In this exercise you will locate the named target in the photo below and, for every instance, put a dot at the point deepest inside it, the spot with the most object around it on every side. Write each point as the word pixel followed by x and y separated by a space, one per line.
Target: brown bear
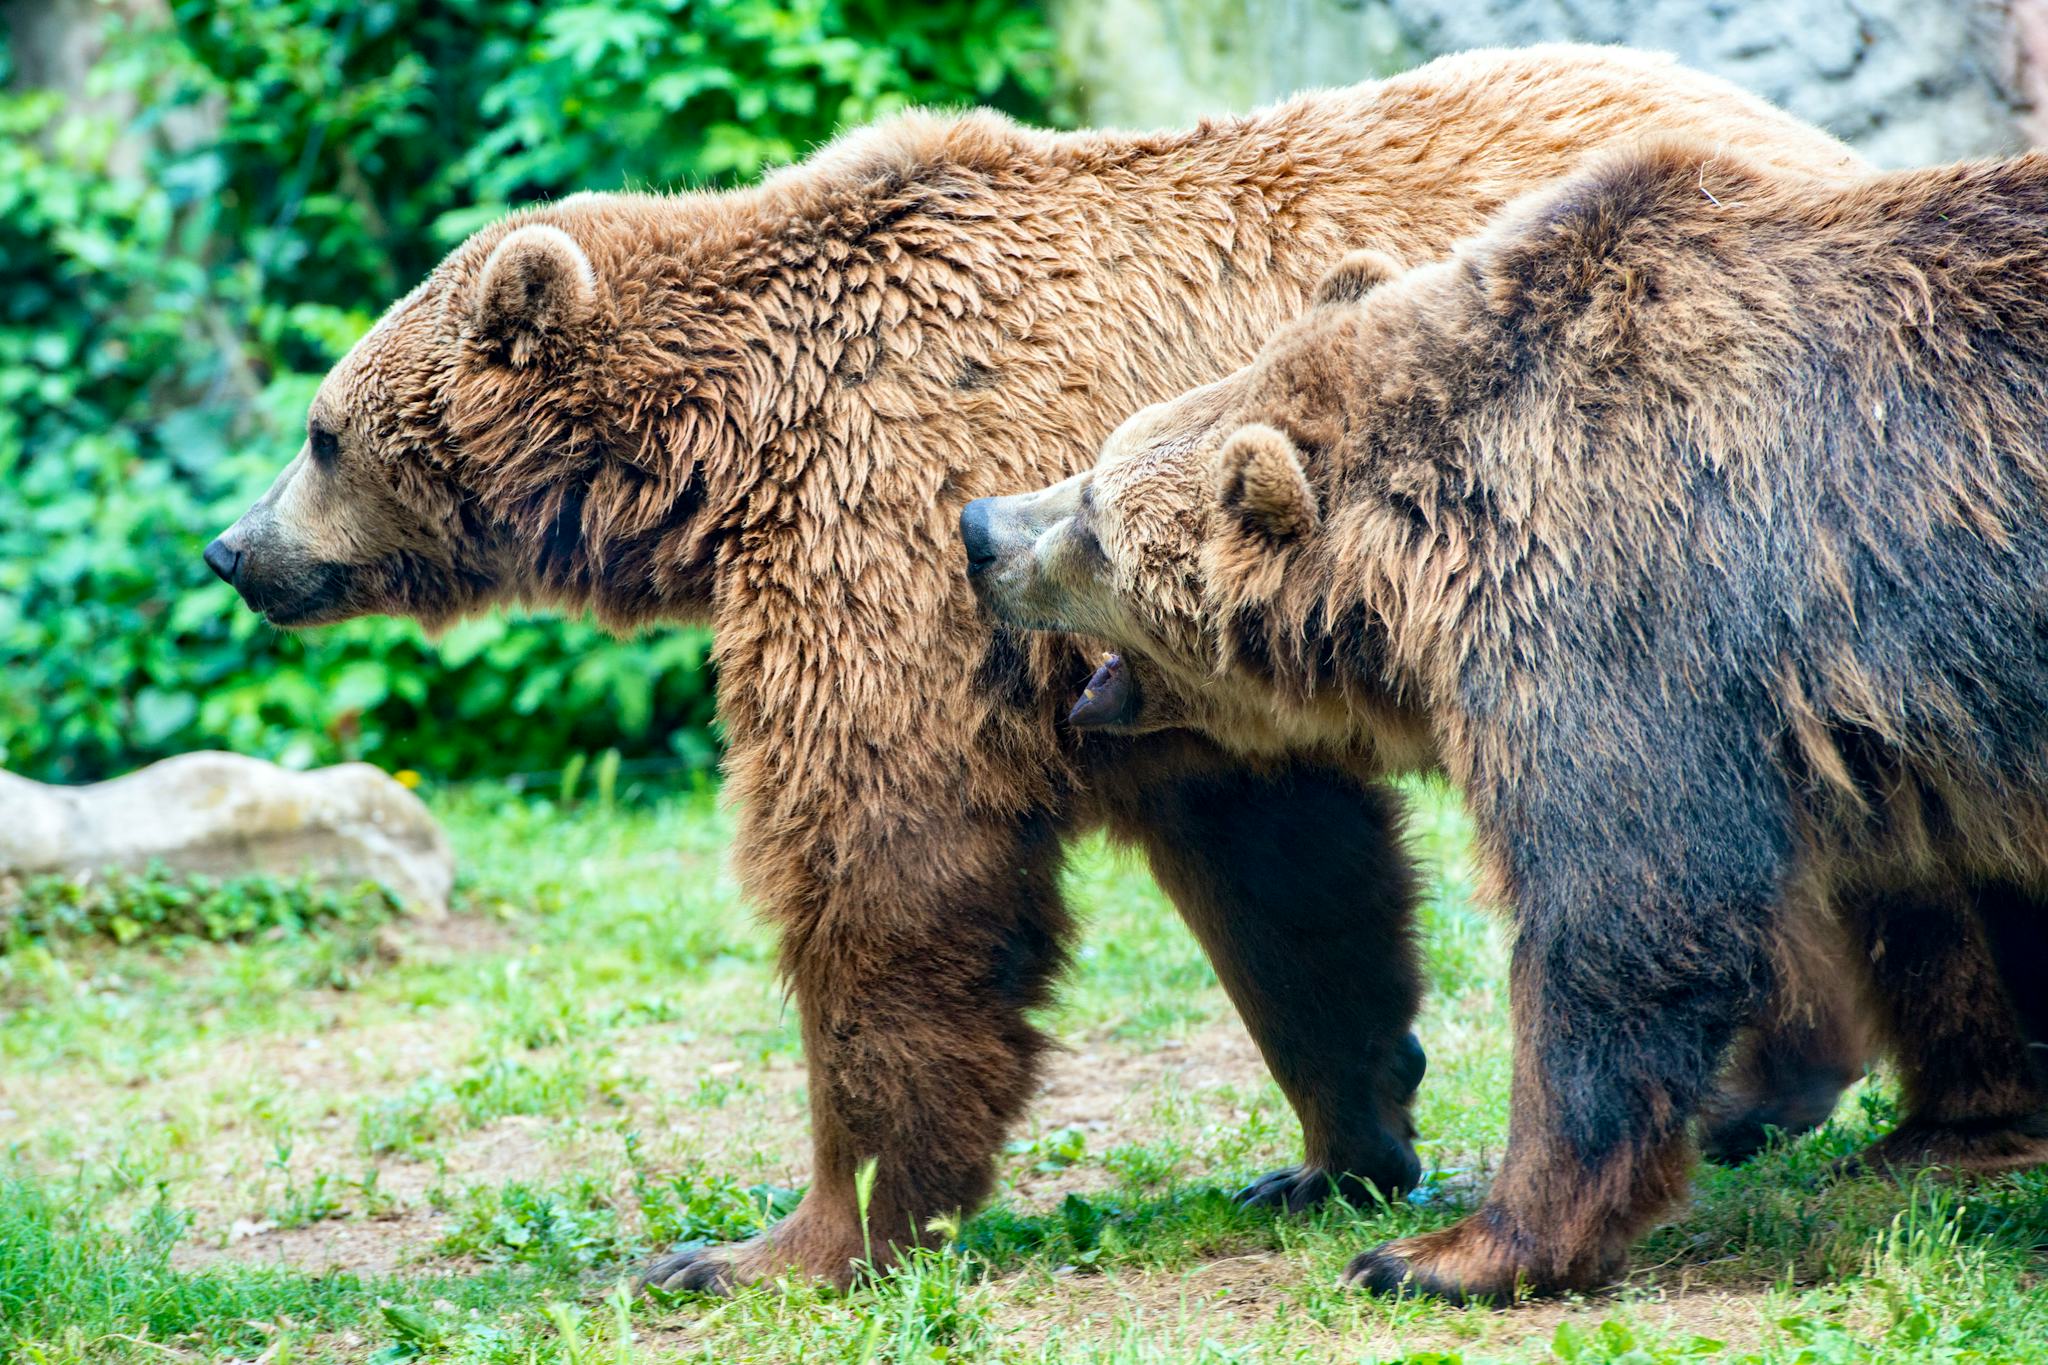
pixel 1691 518
pixel 765 408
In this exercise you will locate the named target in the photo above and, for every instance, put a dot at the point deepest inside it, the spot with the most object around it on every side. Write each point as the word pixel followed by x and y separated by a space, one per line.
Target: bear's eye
pixel 326 445
pixel 1082 531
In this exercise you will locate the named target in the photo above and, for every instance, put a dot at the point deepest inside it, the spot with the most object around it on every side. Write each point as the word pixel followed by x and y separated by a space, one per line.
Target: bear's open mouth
pixel 1109 698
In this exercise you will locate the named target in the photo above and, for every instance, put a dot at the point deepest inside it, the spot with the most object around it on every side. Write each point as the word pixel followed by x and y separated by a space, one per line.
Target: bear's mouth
pixel 309 597
pixel 1110 697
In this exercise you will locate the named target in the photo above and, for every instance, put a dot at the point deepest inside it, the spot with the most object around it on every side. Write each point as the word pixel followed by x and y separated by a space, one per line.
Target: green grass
pixel 298 1131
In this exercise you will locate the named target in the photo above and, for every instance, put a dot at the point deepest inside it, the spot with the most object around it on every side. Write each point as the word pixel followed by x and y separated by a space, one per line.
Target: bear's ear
pixel 1259 481
pixel 1357 275
pixel 536 284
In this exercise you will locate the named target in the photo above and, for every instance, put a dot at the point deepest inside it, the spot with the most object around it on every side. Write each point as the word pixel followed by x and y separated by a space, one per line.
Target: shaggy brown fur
pixel 1692 518
pixel 766 408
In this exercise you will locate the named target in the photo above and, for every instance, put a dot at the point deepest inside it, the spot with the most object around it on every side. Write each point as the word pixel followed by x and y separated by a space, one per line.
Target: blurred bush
pixel 175 286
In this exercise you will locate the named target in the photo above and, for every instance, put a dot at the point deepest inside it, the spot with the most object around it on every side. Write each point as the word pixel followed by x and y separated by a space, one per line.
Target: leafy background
pixel 181 272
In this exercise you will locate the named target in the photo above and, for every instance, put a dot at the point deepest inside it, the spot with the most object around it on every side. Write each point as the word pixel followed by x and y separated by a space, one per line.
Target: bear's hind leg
pixel 1784 1079
pixel 1785 1073
pixel 1297 886
pixel 1955 970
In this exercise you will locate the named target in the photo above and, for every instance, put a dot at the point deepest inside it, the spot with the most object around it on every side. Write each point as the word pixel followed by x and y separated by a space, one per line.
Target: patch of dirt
pixel 1236 1299
pixel 225 1232
pixel 1099 1080
pixel 348 1059
pixel 1111 1090
pixel 368 1247
pixel 759 1132
pixel 516 1148
pixel 1245 1289
pixel 458 934
pixel 1106 1088
pixel 709 1100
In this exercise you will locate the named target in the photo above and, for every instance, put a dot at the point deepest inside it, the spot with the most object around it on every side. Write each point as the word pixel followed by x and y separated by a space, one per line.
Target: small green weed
pixel 1050 1151
pixel 491 1087
pixel 570 1228
pixel 698 1206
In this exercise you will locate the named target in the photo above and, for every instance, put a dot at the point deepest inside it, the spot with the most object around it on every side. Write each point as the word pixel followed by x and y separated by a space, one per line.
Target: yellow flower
pixel 407 778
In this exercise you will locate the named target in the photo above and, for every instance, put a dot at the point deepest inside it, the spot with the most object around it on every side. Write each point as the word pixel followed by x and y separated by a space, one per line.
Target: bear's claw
pixel 1380 1271
pixel 1296 1189
pixel 1481 1262
pixel 1387 1272
pixel 1291 1189
pixel 699 1270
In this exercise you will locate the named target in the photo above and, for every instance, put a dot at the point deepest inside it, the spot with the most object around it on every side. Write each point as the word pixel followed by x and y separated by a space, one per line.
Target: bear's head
pixel 1118 551
pixel 512 430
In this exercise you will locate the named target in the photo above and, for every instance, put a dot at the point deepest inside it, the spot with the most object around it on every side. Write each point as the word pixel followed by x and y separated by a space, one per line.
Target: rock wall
pixel 1152 63
pixel 1905 81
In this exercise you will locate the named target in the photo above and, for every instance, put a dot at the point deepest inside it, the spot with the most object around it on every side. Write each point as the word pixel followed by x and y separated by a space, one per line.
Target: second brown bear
pixel 1692 519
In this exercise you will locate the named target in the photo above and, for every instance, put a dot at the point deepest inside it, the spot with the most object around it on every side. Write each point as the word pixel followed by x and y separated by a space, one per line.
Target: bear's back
pixel 1779 333
pixel 1788 435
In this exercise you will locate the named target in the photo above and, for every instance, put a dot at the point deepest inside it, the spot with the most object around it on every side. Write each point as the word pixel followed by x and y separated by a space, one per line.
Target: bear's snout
pixel 1013 547
pixel 222 560
pixel 288 587
pixel 977 534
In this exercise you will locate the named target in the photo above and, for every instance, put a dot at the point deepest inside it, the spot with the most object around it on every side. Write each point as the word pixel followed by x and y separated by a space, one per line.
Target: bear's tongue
pixel 1110 698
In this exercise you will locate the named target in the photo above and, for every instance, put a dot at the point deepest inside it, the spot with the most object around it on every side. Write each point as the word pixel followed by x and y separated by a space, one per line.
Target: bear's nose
pixel 223 561
pixel 975 534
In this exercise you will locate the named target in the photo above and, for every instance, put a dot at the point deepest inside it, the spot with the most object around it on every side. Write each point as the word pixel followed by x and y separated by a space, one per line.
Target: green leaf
pixel 160 714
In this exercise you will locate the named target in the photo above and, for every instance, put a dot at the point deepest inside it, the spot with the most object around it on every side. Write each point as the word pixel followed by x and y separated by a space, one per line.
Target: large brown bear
pixel 1694 518
pixel 765 409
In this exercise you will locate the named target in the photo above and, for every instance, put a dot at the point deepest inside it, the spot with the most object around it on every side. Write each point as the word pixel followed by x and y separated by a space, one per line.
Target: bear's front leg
pixel 1295 882
pixel 1644 943
pixel 913 980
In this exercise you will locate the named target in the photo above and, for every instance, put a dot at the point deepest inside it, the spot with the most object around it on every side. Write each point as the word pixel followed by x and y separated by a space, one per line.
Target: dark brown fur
pixel 765 409
pixel 1695 514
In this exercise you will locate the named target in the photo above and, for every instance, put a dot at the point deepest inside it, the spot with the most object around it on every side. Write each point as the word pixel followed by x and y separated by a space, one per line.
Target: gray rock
pixel 1906 82
pixel 223 815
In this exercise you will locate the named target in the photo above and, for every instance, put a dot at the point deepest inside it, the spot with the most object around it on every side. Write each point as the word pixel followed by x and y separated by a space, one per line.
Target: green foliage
pixel 1089 1232
pixel 932 1306
pixel 572 1228
pixel 63 1267
pixel 80 1283
pixel 129 906
pixel 178 283
pixel 696 1206
pixel 1051 1151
